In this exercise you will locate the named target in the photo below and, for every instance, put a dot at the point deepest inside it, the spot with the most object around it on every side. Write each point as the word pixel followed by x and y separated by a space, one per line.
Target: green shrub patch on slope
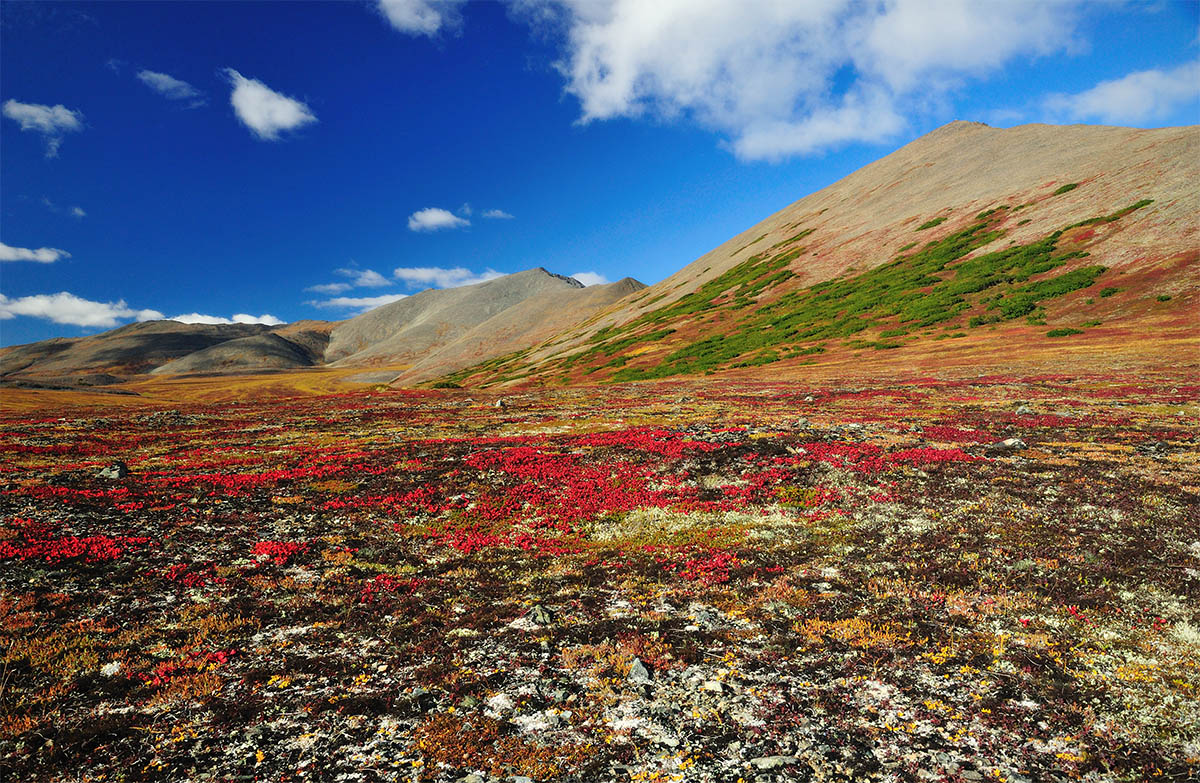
pixel 930 286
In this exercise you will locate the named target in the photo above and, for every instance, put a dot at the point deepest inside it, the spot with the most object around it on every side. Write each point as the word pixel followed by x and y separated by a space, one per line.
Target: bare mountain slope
pixel 404 331
pixel 996 237
pixel 127 350
pixel 257 352
pixel 525 324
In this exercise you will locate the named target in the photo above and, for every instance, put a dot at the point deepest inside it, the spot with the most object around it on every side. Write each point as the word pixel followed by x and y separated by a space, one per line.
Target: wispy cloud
pixel 358 303
pixel 66 308
pixel 329 288
pixel 442 277
pixel 239 318
pixel 591 278
pixel 788 78
pixel 497 214
pixel 264 111
pixel 169 87
pixel 42 255
pixel 52 122
pixel 435 219
pixel 364 278
pixel 78 212
pixel 359 278
pixel 1141 96
pixel 422 17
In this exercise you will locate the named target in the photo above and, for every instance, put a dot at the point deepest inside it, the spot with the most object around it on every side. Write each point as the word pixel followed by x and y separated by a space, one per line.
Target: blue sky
pixel 278 161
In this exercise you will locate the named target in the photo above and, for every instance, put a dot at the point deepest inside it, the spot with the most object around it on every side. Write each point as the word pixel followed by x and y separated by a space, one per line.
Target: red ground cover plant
pixel 688 581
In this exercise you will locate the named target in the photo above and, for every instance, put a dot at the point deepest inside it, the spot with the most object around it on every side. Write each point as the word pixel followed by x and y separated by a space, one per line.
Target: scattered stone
pixel 773 762
pixel 1025 410
pixel 639 672
pixel 1006 446
pixel 116 470
pixel 541 615
pixel 802 423
pixel 500 404
pixel 712 686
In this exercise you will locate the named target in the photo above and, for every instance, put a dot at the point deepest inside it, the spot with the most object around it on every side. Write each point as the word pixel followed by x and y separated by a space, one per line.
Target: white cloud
pixel 264 111
pixel 168 86
pixel 78 212
pixel 435 218
pixel 1137 97
pixel 65 308
pixel 591 278
pixel 440 277
pixel 497 214
pixel 364 278
pixel 422 17
pixel 50 121
pixel 779 77
pixel 329 288
pixel 43 255
pixel 358 303
pixel 240 318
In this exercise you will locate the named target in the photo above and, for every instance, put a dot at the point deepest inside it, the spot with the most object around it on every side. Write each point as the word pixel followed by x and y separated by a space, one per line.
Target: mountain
pixel 519 327
pixel 425 335
pixel 406 330
pixel 124 351
pixel 968 245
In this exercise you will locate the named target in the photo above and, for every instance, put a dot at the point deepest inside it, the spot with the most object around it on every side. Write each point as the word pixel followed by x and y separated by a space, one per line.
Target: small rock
pixel 1006 446
pixel 773 762
pixel 1025 410
pixel 541 615
pixel 114 471
pixel 500 404
pixel 639 672
pixel 802 423
pixel 712 686
pixel 809 398
pixel 970 775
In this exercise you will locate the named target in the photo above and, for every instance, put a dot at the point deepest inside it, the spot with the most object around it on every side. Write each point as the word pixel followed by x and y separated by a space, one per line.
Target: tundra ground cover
pixel 675 581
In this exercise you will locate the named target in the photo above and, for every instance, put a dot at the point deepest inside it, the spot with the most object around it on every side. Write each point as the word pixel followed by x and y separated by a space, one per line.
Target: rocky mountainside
pixel 968 242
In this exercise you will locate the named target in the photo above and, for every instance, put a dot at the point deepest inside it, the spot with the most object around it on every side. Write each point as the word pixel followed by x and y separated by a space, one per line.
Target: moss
pixel 1163 298
pixel 1109 291
pixel 1065 189
pixel 937 221
pixel 1063 332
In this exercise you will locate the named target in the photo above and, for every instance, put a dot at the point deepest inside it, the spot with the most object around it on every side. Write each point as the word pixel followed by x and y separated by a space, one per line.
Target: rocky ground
pixel 990 579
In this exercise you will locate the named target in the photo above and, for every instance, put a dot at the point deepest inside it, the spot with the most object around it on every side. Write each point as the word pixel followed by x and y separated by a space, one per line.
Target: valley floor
pixel 685 581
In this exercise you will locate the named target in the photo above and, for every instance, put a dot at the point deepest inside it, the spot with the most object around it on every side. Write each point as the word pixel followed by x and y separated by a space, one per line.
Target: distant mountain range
pixel 968 244
pixel 426 335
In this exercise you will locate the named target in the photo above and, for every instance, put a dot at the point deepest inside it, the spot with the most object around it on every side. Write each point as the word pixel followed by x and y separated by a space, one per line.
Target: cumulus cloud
pixel 591 278
pixel 78 212
pixel 66 308
pixel 1141 96
pixel 435 219
pixel 441 277
pixel 497 214
pixel 53 122
pixel 239 318
pixel 265 112
pixel 358 303
pixel 778 77
pixel 168 86
pixel 43 255
pixel 422 17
